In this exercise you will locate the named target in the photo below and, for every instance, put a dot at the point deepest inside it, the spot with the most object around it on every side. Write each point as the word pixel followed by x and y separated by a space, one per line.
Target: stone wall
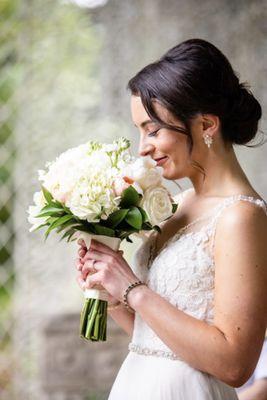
pixel 72 368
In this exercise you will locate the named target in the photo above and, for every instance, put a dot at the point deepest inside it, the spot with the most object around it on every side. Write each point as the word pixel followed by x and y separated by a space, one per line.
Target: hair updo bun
pixel 240 123
pixel 196 77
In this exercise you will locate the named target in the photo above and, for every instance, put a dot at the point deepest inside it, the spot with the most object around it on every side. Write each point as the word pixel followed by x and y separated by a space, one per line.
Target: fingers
pixel 102 248
pixel 78 264
pixel 80 281
pixel 88 266
pixel 90 280
pixel 82 252
pixel 79 261
pixel 81 242
pixel 96 255
pixel 94 279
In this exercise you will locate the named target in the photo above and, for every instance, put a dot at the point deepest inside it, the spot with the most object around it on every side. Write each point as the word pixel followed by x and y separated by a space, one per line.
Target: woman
pixel 197 324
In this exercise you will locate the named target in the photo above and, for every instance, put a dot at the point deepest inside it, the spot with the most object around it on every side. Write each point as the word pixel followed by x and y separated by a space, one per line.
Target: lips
pixel 161 160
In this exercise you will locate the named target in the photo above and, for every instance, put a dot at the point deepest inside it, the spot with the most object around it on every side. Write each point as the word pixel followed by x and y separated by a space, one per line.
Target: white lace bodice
pixel 183 273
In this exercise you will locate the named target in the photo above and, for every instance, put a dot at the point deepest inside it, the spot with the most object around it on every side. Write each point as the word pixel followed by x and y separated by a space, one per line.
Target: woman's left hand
pixel 112 270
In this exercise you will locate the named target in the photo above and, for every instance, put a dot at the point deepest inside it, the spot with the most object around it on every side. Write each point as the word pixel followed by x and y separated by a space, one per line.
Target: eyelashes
pixel 176 129
pixel 154 133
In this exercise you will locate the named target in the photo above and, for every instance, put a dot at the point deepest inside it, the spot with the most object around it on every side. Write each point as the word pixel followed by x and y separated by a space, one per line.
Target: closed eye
pixel 153 133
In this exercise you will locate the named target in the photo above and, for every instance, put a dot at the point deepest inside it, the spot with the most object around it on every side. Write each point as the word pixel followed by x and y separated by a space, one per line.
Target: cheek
pixel 180 149
pixel 179 155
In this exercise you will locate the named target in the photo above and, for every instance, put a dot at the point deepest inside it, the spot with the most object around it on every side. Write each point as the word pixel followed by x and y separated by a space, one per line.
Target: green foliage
pixel 8 81
pixel 117 217
pixel 130 197
pixel 174 207
pixel 121 223
pixel 134 218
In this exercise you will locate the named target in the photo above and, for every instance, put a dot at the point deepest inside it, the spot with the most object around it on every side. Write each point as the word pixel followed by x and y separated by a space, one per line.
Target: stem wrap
pixel 93 321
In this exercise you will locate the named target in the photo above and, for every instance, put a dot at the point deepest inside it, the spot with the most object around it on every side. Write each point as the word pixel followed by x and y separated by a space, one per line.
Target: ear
pixel 210 123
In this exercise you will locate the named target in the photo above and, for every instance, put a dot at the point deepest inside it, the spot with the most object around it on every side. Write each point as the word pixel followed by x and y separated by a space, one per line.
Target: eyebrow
pixel 144 123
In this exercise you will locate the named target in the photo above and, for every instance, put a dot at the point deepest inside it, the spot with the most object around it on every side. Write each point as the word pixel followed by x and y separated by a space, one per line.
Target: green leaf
pixel 134 218
pixel 53 205
pixel 116 217
pixel 50 220
pixel 147 226
pixel 40 226
pixel 157 228
pixel 70 236
pixel 130 197
pixel 103 230
pixel 67 233
pixel 47 195
pixel 65 225
pixel 144 214
pixel 57 223
pixel 174 207
pixel 62 220
pixel 50 211
pixel 90 228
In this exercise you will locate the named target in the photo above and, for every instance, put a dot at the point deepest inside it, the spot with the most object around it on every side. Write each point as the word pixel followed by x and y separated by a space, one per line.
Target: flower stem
pixel 93 321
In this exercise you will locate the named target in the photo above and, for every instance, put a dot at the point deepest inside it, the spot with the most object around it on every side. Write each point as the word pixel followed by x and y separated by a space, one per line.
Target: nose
pixel 145 148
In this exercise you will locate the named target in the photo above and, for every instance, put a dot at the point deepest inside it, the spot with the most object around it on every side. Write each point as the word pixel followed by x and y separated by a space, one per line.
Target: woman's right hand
pixel 84 268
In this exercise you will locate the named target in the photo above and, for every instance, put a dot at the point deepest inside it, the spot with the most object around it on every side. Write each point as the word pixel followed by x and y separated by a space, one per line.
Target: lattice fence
pixel 8 78
pixel 50 96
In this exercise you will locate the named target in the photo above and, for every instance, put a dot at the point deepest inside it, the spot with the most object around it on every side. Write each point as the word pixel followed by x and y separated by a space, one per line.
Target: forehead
pixel 140 115
pixel 138 111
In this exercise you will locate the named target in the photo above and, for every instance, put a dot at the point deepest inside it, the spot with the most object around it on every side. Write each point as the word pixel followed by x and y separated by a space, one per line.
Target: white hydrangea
pixel 93 198
pixel 82 178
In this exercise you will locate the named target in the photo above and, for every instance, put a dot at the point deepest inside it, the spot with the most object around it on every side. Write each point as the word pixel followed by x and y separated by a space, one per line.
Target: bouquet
pixel 100 191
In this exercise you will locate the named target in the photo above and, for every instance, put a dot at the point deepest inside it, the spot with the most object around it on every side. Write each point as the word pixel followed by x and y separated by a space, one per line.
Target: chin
pixel 172 174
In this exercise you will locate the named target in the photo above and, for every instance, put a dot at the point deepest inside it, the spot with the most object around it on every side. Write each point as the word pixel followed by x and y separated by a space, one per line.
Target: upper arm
pixel 240 304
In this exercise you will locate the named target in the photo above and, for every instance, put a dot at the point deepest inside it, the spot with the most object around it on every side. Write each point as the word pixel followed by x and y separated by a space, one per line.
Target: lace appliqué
pixel 183 273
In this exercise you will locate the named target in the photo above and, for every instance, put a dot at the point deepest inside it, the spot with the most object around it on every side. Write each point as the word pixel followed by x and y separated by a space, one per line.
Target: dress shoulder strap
pixel 236 198
pixel 228 202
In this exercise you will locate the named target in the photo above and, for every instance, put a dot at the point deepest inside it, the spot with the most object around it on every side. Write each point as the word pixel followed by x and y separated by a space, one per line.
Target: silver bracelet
pixel 130 287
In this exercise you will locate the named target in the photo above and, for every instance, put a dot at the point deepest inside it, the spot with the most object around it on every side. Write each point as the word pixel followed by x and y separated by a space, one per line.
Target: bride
pixel 197 322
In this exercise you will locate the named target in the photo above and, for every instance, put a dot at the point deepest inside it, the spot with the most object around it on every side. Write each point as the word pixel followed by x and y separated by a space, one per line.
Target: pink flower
pixel 122 183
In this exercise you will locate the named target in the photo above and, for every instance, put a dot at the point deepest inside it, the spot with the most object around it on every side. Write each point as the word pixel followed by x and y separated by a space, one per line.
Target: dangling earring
pixel 207 139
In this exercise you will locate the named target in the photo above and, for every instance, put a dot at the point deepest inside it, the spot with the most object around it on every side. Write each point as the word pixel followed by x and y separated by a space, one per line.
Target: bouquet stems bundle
pixel 101 191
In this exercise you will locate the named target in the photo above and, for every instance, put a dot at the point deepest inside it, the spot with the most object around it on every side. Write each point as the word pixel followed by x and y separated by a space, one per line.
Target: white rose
pixel 151 177
pixel 145 172
pixel 157 204
pixel 148 161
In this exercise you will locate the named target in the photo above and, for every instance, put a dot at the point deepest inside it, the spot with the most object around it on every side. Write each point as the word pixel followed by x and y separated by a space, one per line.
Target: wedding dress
pixel 182 273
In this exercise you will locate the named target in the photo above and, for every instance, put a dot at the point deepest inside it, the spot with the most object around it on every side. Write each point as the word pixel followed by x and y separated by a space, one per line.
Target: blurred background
pixel 64 67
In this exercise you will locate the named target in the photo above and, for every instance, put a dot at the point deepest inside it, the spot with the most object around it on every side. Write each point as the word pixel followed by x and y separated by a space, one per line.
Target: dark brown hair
pixel 196 77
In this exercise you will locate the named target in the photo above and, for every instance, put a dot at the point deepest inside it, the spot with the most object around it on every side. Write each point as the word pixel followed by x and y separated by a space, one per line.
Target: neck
pixel 224 175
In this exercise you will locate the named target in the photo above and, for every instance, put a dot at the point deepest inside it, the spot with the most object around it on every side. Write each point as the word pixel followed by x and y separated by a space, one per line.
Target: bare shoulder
pixel 179 196
pixel 244 217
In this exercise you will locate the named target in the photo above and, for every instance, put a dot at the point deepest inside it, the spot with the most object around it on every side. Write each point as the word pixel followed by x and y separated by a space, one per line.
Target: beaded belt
pixel 151 352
